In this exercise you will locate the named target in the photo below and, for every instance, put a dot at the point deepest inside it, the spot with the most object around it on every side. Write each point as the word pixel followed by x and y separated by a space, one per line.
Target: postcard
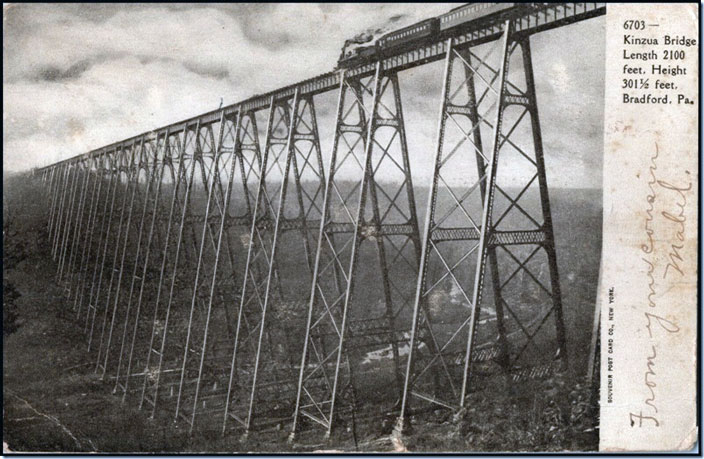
pixel 351 227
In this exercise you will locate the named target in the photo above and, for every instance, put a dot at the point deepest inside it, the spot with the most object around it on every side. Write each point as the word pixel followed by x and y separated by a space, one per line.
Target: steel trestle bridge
pixel 228 281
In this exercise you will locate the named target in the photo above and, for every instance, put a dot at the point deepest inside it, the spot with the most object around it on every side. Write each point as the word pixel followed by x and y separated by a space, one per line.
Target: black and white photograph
pixel 330 228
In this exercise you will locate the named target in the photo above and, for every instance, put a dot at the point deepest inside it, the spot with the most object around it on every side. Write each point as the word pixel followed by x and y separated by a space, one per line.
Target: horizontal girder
pixel 497 238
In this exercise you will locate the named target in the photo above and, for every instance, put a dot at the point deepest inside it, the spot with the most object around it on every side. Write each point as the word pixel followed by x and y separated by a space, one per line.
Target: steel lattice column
pixel 83 225
pixel 210 321
pixel 493 220
pixel 57 178
pixel 142 169
pixel 179 235
pixel 53 183
pixel 208 155
pixel 245 154
pixel 213 304
pixel 215 160
pixel 368 197
pixel 129 159
pixel 199 149
pixel 72 226
pixel 288 206
pixel 148 257
pixel 175 181
pixel 107 238
pixel 60 190
pixel 64 205
pixel 89 254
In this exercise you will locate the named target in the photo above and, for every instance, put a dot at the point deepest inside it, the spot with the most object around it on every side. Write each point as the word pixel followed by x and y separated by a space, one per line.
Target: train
pixel 354 53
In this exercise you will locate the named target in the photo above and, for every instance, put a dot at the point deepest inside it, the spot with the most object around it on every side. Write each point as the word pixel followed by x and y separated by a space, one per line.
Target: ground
pixel 54 401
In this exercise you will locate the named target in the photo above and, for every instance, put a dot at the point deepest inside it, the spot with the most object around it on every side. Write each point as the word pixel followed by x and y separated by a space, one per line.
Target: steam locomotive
pixel 355 53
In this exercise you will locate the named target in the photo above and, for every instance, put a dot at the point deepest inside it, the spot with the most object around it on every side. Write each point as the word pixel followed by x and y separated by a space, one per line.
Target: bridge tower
pixel 153 185
pixel 74 223
pixel 368 199
pixel 488 222
pixel 73 174
pixel 288 207
pixel 116 162
pixel 120 227
pixel 174 238
pixel 188 170
pixel 60 190
pixel 85 229
pixel 145 178
pixel 183 322
pixel 137 173
pixel 54 181
pixel 91 253
pixel 211 321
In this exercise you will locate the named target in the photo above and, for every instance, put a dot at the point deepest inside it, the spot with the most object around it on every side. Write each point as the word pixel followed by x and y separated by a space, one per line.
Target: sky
pixel 79 76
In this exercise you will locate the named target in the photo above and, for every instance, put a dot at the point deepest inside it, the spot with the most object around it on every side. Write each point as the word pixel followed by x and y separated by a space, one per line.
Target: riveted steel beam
pixel 290 194
pixel 487 226
pixel 375 211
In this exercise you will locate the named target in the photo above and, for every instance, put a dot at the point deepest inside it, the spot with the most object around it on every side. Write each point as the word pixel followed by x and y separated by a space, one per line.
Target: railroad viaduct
pixel 221 280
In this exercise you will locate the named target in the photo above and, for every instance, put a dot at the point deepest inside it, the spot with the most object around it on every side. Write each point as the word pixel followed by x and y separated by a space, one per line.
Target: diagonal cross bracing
pixel 359 206
pixel 271 309
pixel 443 354
pixel 173 245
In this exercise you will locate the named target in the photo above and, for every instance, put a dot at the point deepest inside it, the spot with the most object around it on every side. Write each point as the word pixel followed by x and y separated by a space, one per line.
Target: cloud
pixel 97 108
pixel 80 76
